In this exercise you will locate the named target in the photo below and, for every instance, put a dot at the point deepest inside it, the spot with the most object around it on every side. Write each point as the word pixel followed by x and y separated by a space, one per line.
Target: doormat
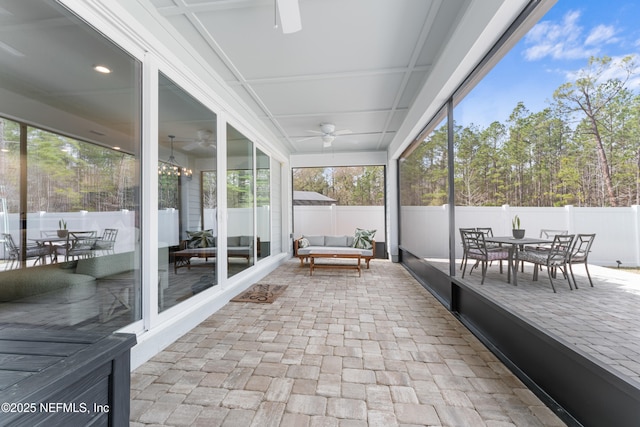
pixel 261 293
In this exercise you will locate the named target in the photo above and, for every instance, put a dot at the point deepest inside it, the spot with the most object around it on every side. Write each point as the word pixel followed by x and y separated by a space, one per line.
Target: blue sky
pixel 560 44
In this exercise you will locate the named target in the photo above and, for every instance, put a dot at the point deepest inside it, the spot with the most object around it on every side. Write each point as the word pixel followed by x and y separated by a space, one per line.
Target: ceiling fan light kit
pixel 327 140
pixel 327 134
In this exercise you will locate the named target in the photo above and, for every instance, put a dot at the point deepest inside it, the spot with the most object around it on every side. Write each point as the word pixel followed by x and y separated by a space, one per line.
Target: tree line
pixel 582 150
pixel 348 185
pixel 64 174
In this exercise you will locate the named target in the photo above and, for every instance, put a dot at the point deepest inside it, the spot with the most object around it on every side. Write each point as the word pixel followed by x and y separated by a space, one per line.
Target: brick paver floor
pixel 333 350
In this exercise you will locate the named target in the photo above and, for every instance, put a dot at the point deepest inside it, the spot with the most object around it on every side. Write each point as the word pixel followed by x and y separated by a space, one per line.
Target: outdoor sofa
pixel 357 244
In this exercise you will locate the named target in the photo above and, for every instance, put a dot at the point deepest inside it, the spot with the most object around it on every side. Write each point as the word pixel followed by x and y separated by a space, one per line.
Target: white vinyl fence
pixel 338 220
pixel 424 229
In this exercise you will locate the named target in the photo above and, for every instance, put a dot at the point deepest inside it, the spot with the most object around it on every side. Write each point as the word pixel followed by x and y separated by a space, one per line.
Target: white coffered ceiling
pixel 359 64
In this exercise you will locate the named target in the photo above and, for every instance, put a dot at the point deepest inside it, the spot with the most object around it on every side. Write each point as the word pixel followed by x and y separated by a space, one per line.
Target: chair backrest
pixel 462 231
pixel 549 234
pixel 109 234
pixel 488 231
pixel 82 239
pixel 10 244
pixel 561 248
pixel 582 246
pixel 49 233
pixel 474 241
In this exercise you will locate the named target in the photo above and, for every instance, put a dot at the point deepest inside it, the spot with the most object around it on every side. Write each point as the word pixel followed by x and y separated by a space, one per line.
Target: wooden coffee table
pixel 183 257
pixel 313 265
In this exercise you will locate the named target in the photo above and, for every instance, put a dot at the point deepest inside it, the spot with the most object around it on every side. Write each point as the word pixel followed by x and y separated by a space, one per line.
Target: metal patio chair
pixel 477 249
pixel 556 257
pixel 39 252
pixel 580 253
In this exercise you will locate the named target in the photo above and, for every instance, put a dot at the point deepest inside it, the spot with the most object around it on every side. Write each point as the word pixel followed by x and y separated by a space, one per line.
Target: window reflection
pixel 263 211
pixel 241 242
pixel 69 159
pixel 187 230
pixel 423 196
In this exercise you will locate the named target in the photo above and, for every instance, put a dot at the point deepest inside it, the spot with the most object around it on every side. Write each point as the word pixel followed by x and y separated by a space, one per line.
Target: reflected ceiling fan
pixel 327 134
pixel 205 139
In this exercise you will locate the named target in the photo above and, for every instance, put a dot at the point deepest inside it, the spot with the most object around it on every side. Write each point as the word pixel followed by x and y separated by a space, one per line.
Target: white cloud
pixel 566 39
pixel 602 34
pixel 615 70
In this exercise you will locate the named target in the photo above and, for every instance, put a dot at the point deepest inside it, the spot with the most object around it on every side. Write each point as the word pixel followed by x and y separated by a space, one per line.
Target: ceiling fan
pixel 289 15
pixel 204 139
pixel 327 134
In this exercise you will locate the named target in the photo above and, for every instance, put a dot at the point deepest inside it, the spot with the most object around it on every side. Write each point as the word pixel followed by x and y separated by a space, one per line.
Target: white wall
pixel 424 228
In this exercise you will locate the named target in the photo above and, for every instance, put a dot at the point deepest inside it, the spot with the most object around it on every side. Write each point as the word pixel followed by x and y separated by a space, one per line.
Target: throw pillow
pixel 303 243
pixel 200 239
pixel 363 238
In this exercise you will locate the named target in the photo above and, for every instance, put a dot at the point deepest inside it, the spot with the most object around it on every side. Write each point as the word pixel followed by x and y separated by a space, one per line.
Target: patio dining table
pixel 62 242
pixel 515 245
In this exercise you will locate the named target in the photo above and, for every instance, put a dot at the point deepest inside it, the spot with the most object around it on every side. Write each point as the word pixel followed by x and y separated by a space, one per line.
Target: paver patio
pixel 602 321
pixel 334 350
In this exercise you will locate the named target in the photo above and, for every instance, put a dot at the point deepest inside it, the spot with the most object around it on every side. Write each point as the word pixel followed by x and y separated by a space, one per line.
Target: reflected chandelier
pixel 171 167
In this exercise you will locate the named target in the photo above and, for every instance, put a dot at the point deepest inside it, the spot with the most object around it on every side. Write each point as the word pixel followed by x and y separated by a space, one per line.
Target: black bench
pixel 64 377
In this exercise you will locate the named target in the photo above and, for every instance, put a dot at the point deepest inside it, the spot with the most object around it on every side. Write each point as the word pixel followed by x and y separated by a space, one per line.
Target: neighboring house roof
pixel 311 198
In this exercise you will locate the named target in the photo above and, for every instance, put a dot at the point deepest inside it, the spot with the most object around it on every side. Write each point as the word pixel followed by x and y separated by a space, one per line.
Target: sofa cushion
pixel 315 240
pixel 246 240
pixel 233 241
pixel 335 241
pixel 363 238
pixel 334 250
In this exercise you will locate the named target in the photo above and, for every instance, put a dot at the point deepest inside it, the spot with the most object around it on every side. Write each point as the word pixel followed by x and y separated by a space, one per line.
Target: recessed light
pixel 116 148
pixel 102 69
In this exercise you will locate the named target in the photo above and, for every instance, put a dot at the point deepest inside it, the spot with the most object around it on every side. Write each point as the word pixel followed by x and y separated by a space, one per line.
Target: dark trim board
pixel 578 388
pixel 438 284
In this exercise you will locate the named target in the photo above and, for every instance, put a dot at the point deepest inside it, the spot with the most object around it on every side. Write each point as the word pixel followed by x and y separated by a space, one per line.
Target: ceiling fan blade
pixel 342 132
pixel 306 139
pixel 289 16
pixel 191 146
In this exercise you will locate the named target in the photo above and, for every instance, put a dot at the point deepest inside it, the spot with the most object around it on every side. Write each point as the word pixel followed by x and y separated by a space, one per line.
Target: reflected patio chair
pixel 556 257
pixel 39 252
pixel 107 242
pixel 79 245
pixel 580 254
pixel 55 241
pixel 477 249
